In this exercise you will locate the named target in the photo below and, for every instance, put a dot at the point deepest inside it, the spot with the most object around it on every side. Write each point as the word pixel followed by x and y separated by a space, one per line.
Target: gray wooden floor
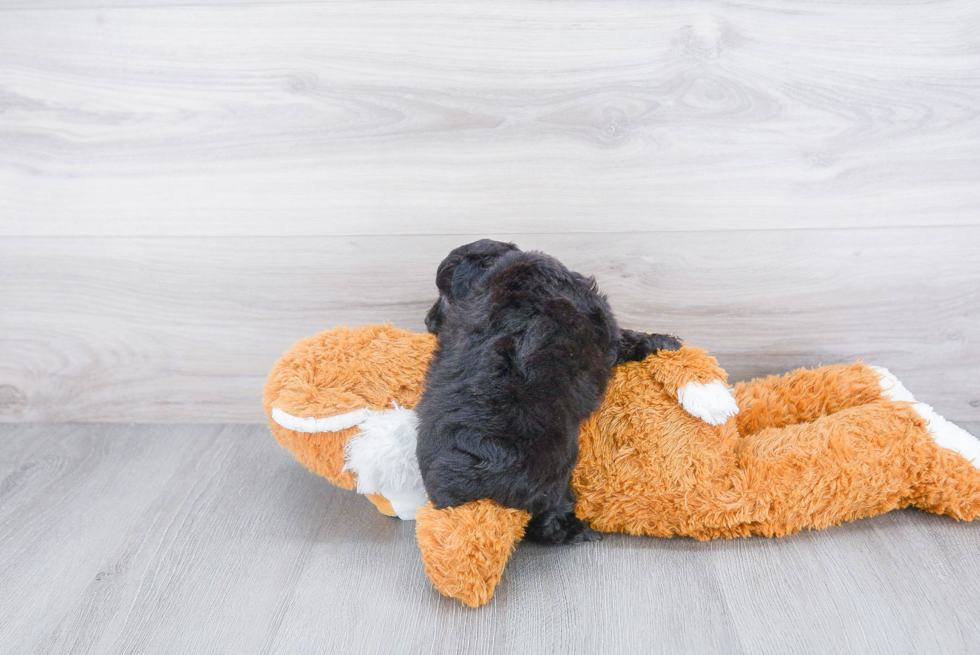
pixel 211 539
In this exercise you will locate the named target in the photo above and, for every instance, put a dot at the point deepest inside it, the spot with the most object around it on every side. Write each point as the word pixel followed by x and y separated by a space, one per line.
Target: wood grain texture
pixel 349 118
pixel 188 187
pixel 187 329
pixel 163 539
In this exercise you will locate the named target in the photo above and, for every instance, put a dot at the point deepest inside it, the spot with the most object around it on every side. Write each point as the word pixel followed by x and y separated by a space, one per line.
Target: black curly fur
pixel 525 349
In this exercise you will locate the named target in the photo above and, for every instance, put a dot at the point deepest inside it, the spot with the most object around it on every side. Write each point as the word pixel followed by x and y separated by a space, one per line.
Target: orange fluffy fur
pixel 339 371
pixel 807 450
pixel 465 548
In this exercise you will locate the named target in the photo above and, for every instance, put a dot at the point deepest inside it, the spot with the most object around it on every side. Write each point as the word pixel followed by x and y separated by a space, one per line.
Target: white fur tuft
pixel 947 434
pixel 713 403
pixel 328 424
pixel 382 456
pixel 891 388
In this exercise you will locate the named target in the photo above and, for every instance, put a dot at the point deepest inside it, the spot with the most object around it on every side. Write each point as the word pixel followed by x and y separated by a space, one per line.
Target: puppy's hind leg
pixel 557 524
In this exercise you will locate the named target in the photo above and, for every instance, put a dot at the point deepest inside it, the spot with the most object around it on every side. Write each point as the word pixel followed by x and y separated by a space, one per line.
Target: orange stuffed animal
pixel 672 450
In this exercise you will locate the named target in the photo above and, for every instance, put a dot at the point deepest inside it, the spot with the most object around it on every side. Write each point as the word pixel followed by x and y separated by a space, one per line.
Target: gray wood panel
pixel 211 539
pixel 160 117
pixel 187 329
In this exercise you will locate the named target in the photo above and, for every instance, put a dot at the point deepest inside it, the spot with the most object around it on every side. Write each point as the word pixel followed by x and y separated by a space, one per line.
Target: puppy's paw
pixel 586 535
pixel 665 342
pixel 652 343
pixel 714 403
pixel 552 528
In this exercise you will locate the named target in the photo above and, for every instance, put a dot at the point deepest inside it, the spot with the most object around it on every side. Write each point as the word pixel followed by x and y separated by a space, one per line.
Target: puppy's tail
pixel 466 548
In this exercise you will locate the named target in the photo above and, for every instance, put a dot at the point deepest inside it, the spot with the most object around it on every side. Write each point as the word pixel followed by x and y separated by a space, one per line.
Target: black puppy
pixel 525 349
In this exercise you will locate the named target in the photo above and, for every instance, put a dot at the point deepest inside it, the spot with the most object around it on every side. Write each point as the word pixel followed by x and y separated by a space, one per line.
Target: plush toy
pixel 672 451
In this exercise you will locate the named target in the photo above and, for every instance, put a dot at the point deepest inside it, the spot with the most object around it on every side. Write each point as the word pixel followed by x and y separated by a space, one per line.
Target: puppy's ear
pixel 446 271
pixel 465 265
pixel 467 273
pixel 476 259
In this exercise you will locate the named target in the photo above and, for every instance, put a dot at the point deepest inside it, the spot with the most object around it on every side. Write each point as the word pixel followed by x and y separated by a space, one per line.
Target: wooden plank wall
pixel 186 188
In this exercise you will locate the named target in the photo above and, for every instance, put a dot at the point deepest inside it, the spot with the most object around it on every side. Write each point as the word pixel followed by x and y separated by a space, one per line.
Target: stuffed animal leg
pixel 844 442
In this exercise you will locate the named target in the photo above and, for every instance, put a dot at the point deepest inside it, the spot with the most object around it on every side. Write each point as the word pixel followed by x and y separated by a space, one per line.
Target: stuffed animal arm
pixel 672 450
pixel 698 384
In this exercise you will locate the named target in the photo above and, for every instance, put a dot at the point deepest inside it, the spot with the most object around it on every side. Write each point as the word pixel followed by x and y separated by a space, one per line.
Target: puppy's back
pixel 519 365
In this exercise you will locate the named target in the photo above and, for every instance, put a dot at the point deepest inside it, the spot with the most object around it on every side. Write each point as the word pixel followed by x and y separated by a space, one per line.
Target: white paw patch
pixel 382 456
pixel 949 435
pixel 713 403
pixel 891 388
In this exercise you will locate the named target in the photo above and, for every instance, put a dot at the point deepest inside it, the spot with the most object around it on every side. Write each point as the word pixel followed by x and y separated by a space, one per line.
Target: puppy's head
pixel 459 272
